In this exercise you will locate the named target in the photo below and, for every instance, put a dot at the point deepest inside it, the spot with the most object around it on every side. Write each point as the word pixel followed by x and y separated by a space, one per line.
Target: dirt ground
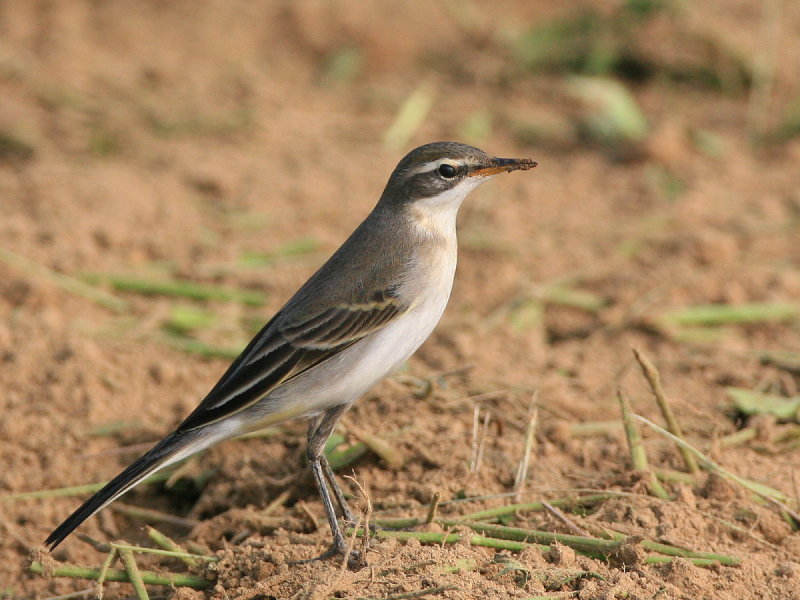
pixel 235 144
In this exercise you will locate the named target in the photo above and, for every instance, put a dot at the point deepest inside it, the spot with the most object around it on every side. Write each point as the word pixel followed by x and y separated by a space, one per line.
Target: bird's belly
pixel 346 376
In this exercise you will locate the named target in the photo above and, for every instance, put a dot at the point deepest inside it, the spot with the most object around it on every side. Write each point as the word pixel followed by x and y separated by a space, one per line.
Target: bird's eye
pixel 446 171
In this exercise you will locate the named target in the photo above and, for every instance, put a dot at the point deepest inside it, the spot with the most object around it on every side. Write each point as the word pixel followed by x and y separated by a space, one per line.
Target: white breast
pixel 343 378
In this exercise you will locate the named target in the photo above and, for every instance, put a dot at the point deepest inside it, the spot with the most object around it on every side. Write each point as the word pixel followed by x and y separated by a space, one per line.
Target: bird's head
pixel 441 174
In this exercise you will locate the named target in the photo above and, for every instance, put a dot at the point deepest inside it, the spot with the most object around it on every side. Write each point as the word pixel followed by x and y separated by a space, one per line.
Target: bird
pixel 357 319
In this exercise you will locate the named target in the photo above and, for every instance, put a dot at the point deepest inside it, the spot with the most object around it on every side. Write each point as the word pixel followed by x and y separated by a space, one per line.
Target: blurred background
pixel 171 172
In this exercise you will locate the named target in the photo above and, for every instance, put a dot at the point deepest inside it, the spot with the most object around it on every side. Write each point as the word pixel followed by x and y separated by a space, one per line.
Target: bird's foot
pixel 355 559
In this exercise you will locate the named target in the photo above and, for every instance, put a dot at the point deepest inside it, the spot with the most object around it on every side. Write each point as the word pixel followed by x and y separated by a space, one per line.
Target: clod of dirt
pixel 560 555
pixel 720 489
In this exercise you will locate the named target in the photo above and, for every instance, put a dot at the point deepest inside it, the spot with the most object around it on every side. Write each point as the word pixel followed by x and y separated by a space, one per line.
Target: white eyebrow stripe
pixel 432 165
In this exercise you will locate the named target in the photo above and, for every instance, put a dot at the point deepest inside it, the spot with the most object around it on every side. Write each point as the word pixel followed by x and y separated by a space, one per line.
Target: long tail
pixel 176 446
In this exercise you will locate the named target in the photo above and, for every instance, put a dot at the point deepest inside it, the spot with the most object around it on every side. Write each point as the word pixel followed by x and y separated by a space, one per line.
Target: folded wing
pixel 286 348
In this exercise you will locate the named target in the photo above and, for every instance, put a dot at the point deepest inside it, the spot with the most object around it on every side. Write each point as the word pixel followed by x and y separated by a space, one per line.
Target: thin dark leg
pixel 319 431
pixel 337 491
pixel 339 546
pixel 348 515
pixel 326 467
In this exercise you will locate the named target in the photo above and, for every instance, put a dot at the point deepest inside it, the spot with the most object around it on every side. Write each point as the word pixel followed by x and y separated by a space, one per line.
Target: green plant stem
pixel 565 502
pixel 730 561
pixel 397 522
pixel 341 458
pixel 638 454
pixel 174 287
pixel 172 553
pixel 566 296
pixel 590 546
pixel 587 545
pixel 152 516
pixel 676 476
pixel 783 359
pixel 593 428
pixel 738 437
pixel 758 488
pixel 379 446
pixel 433 508
pixel 168 543
pixel 493 514
pixel 722 314
pixel 512 538
pixel 663 560
pixel 148 577
pixel 653 378
pixel 133 573
pixel 410 116
pixel 77 490
pixel 427 537
pixel 65 282
pixel 109 560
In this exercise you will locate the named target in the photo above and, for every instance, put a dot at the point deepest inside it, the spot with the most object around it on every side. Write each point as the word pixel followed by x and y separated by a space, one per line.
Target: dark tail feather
pixel 162 454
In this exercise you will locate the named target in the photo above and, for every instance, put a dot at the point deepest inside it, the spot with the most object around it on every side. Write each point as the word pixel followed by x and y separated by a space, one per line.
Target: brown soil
pixel 139 136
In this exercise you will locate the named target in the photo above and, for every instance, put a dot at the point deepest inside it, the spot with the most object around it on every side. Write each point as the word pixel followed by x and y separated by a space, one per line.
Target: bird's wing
pixel 287 347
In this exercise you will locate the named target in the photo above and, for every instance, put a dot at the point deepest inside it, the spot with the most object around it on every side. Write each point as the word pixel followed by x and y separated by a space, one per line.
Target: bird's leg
pixel 319 431
pixel 340 499
pixel 337 491
pixel 326 467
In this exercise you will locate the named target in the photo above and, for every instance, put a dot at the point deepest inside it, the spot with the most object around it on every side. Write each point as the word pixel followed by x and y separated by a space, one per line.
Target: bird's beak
pixel 493 166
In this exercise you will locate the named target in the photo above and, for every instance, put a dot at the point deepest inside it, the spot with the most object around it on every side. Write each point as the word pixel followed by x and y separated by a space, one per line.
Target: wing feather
pixel 285 349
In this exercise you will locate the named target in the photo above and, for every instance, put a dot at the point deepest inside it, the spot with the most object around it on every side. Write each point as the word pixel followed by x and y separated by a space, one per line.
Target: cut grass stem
pixel 133 573
pixel 511 509
pixel 410 116
pixel 516 539
pixel 494 514
pixel 152 516
pixel 383 449
pixel 77 490
pixel 176 287
pixel 738 437
pixel 148 577
pixel 732 314
pixel 668 550
pixel 170 545
pixel 430 537
pixel 638 454
pixel 759 489
pixel 593 428
pixel 65 282
pixel 107 563
pixel 171 553
pixel 653 378
pixel 589 546
pixel 521 475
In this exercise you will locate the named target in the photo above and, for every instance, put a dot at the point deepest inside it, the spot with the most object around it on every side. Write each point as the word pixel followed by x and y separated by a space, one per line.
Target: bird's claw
pixel 355 559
